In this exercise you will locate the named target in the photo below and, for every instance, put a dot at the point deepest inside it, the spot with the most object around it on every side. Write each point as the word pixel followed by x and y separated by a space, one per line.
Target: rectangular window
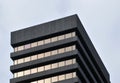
pixel 62 50
pixel 54 39
pixel 40 42
pixel 20 48
pixel 73 47
pixel 27 46
pixel 69 62
pixel 34 82
pixel 47 67
pixel 47 54
pixel 62 63
pixel 34 57
pixel 20 61
pixel 68 35
pixel 34 44
pixel 48 80
pixel 73 34
pixel 15 49
pixel 20 74
pixel 26 72
pixel 40 55
pixel 15 75
pixel 61 77
pixel 61 37
pixel 47 41
pixel 15 62
pixel 40 69
pixel 55 79
pixel 74 74
pixel 74 61
pixel 69 75
pixel 34 70
pixel 27 59
pixel 54 52
pixel 55 65
pixel 68 48
pixel 41 81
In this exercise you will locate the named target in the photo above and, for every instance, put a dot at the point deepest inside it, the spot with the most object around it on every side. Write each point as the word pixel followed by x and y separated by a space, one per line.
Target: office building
pixel 59 51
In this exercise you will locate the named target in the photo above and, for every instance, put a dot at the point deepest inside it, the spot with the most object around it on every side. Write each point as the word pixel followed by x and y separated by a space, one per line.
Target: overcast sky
pixel 101 19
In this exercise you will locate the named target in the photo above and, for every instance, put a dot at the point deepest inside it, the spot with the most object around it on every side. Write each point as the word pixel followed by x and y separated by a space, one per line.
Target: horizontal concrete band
pixel 44 61
pixel 44 29
pixel 44 48
pixel 45 74
pixel 72 80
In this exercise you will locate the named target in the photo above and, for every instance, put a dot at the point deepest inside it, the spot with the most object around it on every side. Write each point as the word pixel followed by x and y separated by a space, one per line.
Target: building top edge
pixel 44 29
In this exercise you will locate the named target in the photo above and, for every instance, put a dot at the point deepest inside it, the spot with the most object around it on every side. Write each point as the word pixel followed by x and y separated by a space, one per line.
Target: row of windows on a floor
pixel 44 68
pixel 42 55
pixel 45 41
pixel 57 78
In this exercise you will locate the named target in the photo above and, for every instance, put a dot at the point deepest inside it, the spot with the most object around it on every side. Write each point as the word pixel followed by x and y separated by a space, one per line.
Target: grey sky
pixel 100 18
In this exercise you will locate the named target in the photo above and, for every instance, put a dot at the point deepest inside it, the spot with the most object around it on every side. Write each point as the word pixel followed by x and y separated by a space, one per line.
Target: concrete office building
pixel 59 51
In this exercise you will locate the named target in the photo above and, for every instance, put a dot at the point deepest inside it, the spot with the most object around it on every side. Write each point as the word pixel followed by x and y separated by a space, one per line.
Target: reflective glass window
pixel 34 44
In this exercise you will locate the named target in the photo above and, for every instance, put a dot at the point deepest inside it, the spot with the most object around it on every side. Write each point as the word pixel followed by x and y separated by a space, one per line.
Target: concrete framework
pixel 88 66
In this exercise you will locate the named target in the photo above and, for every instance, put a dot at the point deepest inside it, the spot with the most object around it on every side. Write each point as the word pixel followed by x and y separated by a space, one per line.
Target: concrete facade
pixel 88 67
